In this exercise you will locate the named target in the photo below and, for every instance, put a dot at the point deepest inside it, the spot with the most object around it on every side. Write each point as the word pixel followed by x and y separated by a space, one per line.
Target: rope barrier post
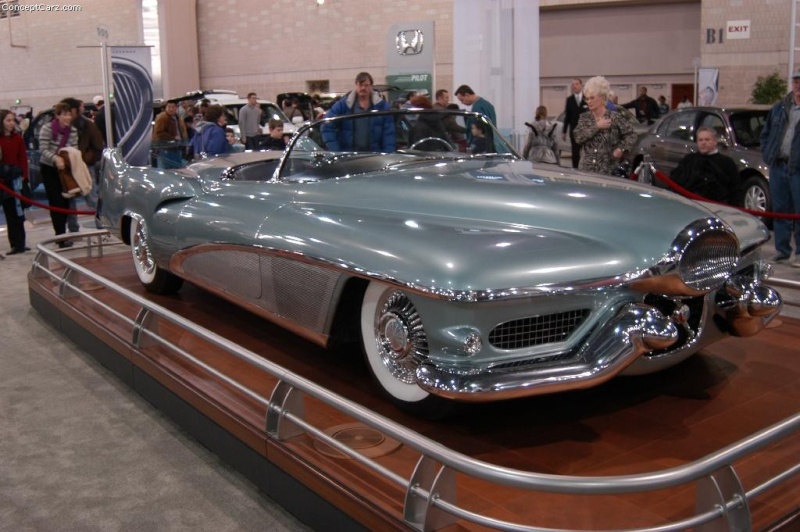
pixel 645 171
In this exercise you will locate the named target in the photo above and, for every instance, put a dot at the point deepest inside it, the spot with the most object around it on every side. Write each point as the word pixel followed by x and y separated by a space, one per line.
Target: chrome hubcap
pixel 401 339
pixel 141 252
pixel 395 336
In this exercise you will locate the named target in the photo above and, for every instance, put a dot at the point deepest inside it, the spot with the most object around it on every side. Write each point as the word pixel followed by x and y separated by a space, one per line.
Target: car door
pixel 718 123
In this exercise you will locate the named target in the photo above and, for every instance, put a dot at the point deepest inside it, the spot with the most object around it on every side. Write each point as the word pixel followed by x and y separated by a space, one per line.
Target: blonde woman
pixel 605 136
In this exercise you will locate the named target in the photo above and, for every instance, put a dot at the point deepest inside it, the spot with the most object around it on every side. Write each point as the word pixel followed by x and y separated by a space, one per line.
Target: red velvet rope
pixel 683 192
pixel 42 205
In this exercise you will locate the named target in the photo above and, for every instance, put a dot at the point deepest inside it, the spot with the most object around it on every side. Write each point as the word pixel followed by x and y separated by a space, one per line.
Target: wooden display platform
pixel 629 425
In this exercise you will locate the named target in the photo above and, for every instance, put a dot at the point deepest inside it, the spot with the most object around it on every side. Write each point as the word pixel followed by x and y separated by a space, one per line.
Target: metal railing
pixel 430 500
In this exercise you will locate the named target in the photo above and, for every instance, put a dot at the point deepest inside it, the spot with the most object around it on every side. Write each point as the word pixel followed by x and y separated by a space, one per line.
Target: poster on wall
pixel 707 86
pixel 133 102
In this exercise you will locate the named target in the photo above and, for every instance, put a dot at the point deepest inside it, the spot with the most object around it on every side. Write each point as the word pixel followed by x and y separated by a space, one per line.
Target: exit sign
pixel 738 29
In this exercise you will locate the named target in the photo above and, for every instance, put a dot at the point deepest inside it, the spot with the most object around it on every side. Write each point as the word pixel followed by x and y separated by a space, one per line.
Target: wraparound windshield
pixel 371 141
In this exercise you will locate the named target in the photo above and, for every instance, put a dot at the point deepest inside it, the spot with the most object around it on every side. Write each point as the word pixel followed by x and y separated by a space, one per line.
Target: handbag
pixel 27 193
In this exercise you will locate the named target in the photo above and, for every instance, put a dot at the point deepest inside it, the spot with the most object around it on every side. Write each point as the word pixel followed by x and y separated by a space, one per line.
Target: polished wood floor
pixel 630 425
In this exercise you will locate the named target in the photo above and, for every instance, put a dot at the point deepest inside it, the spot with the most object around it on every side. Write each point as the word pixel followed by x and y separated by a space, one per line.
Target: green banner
pixel 420 82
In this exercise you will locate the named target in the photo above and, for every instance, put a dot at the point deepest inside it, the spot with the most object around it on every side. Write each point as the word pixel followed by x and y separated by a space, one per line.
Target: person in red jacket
pixel 14 165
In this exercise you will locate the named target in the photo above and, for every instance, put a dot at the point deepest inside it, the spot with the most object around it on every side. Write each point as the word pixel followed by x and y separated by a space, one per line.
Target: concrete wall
pixel 279 46
pixel 41 53
pixel 275 47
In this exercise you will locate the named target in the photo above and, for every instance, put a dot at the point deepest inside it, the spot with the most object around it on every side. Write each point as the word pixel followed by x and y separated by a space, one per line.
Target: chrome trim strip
pixel 176 266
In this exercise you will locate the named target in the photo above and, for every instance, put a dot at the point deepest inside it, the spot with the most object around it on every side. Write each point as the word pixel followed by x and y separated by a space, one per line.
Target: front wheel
pixel 153 278
pixel 395 344
pixel 756 194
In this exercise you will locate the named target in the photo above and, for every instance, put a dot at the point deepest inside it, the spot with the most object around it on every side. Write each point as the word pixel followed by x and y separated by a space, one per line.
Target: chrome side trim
pixel 635 330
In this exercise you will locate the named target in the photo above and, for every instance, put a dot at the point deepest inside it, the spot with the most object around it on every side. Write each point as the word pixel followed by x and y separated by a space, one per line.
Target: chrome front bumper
pixel 745 305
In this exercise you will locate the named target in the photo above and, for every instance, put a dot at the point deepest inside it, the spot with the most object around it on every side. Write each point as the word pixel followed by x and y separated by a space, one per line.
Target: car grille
pixel 536 330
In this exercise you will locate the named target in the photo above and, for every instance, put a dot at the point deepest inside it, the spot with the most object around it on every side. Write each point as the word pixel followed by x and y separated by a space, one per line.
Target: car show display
pixel 465 277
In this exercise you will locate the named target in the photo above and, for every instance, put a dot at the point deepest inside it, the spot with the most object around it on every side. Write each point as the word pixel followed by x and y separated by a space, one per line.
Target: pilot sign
pixel 409 42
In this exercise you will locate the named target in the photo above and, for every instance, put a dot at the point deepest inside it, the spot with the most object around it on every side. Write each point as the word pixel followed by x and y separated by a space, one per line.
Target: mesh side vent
pixel 536 330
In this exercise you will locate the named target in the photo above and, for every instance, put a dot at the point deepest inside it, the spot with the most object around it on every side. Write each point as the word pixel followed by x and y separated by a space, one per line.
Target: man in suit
pixel 575 105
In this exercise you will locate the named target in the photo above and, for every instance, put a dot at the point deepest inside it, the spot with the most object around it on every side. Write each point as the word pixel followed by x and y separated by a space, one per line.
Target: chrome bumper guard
pixel 637 329
pixel 746 304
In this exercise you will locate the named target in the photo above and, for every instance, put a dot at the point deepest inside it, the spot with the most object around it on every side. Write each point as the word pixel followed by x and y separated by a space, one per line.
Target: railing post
pixel 645 171
pixel 438 481
pixel 285 398
pixel 145 320
pixel 68 278
pixel 713 492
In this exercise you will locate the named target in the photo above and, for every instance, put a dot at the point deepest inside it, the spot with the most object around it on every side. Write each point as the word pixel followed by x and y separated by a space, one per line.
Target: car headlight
pixel 709 260
pixel 701 258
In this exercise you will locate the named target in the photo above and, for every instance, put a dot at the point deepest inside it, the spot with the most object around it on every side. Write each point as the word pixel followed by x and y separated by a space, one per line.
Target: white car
pixel 233 103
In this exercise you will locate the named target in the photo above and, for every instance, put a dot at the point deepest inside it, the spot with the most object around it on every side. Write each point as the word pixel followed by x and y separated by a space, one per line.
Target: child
pixel 478 144
pixel 275 140
pixel 236 145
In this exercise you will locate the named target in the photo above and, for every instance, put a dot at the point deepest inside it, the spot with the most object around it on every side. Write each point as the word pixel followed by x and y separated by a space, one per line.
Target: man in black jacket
pixel 575 105
pixel 708 173
pixel 645 107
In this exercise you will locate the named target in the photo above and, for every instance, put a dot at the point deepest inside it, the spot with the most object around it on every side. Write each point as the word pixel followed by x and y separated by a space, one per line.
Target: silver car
pixel 739 129
pixel 464 276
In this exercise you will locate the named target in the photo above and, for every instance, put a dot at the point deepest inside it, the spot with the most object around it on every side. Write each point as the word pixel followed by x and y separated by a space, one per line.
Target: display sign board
pixel 410 56
pixel 133 101
pixel 708 86
pixel 419 82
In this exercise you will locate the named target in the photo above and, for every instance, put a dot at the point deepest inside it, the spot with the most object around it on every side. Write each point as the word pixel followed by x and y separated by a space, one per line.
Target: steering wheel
pixel 448 146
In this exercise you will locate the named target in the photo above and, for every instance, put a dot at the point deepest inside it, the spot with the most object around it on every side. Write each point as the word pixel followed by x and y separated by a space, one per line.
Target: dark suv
pixel 739 129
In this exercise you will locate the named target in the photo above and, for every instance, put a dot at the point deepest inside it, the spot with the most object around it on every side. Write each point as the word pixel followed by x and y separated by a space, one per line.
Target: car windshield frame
pixel 308 159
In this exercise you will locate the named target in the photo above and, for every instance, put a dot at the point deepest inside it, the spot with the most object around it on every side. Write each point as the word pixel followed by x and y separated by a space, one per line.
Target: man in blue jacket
pixel 375 134
pixel 780 148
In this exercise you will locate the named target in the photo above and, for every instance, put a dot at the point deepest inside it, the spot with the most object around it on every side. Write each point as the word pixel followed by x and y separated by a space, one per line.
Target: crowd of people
pixel 70 145
pixel 601 131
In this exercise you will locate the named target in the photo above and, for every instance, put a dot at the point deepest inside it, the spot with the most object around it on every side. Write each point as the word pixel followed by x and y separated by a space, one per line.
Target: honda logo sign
pixel 409 42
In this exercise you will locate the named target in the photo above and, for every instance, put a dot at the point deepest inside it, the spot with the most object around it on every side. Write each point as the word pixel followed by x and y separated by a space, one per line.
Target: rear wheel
pixel 756 196
pixel 395 344
pixel 153 278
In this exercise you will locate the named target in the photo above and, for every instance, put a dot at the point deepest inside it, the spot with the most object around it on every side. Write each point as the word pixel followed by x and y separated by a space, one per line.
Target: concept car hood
pixel 473 225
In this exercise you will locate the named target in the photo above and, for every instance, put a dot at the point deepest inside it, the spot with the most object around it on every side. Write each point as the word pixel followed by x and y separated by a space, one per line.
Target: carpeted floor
pixel 80 451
